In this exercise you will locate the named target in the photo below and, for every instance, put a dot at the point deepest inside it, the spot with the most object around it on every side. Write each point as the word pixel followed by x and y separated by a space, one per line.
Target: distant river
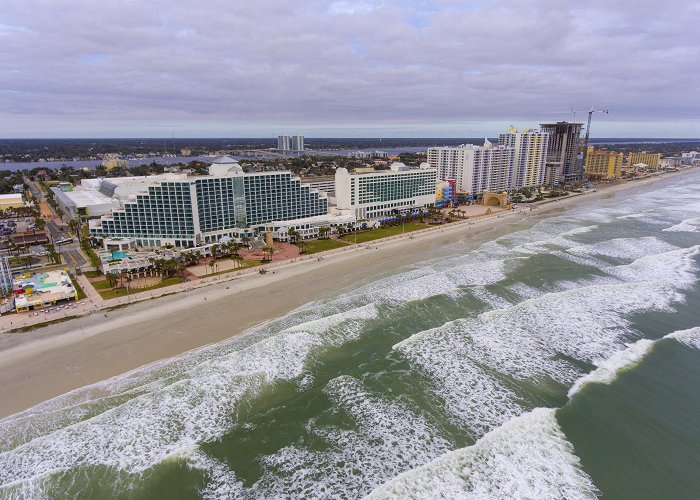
pixel 561 360
pixel 162 160
pixel 168 160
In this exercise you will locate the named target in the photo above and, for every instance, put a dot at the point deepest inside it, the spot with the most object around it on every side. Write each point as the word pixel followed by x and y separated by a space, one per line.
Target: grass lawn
pixel 245 264
pixel 36 326
pixel 315 246
pixel 79 289
pixel 121 292
pixel 384 232
pixel 101 285
pixel 92 274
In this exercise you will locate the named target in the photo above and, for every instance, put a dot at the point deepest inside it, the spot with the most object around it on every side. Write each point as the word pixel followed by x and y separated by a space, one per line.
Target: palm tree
pixel 267 252
pixel 237 259
pixel 324 231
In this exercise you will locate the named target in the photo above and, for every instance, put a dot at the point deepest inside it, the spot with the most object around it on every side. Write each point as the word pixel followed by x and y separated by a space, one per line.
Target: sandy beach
pixel 53 360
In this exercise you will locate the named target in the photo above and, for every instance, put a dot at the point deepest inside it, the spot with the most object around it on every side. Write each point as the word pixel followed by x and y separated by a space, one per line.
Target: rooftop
pixel 11 197
pixel 82 197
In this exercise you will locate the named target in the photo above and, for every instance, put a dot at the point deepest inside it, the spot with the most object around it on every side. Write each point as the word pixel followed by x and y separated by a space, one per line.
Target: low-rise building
pixel 28 238
pixel 670 163
pixel 83 202
pixel 112 160
pixel 385 192
pixel 11 200
pixel 309 227
pixel 33 291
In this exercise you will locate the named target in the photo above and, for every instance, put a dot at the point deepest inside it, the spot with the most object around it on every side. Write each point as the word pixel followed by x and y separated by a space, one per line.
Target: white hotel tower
pixel 475 168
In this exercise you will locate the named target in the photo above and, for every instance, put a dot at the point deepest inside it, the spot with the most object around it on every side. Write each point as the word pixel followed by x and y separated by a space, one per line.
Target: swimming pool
pixel 119 255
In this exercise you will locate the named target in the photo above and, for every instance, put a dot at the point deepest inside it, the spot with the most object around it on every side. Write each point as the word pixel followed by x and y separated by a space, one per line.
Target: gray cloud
pixel 442 67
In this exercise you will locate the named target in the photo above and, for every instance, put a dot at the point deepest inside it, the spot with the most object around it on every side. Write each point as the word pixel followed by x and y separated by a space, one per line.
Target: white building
pixel 475 168
pixel 368 154
pixel 385 192
pixel 190 211
pixel 309 227
pixel 290 142
pixel 83 201
pixel 297 142
pixel 530 155
pixel 5 277
pixel 284 142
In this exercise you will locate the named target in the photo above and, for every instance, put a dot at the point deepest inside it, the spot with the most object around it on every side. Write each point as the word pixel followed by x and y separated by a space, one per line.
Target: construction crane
pixel 588 134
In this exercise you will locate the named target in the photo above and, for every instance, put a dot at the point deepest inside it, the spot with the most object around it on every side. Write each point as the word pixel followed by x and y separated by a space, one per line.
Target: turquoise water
pixel 558 361
pixel 119 254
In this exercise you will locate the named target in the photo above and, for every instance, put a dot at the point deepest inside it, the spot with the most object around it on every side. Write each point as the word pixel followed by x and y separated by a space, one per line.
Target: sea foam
pixel 197 406
pixel 527 457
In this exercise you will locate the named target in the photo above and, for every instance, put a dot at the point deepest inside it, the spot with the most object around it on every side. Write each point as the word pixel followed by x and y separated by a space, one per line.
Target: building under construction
pixel 563 163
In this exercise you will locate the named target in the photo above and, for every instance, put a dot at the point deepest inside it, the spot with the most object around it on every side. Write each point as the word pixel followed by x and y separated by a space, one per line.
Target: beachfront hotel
pixel 530 155
pixel 603 164
pixel 651 160
pixel 475 168
pixel 187 211
pixel 370 195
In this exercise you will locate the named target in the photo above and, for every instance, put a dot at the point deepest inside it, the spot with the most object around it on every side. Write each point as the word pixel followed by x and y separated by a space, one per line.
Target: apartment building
pixel 475 168
pixel 529 155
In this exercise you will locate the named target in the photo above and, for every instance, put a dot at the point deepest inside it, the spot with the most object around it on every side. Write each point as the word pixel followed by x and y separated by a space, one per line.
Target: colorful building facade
pixel 603 164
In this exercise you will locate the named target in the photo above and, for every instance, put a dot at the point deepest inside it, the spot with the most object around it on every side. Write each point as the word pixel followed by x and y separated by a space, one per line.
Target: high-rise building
pixel 530 155
pixel 563 152
pixel 5 277
pixel 284 142
pixel 188 211
pixel 290 142
pixel 603 164
pixel 651 160
pixel 475 168
pixel 297 143
pixel 385 192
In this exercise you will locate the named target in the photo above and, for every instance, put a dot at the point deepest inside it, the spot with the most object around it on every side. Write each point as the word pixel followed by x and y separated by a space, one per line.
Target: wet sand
pixel 41 364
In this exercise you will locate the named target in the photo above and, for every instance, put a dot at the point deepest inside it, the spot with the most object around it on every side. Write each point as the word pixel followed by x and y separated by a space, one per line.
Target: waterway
pixel 561 360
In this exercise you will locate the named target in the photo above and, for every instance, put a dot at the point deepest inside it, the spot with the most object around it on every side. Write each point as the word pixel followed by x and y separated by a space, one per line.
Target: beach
pixel 53 360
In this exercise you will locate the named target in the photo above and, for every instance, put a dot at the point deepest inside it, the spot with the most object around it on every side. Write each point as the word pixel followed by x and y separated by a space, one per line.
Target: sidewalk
pixel 95 302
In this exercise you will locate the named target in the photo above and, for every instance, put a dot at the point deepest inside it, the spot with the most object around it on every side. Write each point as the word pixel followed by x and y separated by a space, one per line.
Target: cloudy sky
pixel 365 68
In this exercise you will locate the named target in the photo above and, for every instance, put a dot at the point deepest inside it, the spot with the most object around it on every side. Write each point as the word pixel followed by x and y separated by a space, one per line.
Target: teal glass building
pixel 198 210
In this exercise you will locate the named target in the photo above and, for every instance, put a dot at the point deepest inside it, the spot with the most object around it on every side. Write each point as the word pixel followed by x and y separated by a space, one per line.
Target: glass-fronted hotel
pixel 385 192
pixel 190 211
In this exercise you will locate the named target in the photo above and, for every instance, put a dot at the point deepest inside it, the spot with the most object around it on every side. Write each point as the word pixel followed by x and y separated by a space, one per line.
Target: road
pixel 69 253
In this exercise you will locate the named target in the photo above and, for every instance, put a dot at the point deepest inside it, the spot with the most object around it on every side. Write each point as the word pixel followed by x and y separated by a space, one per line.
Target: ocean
pixel 560 360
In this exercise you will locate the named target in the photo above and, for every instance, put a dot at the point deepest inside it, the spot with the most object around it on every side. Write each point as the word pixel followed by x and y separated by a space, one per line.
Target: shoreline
pixel 56 359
